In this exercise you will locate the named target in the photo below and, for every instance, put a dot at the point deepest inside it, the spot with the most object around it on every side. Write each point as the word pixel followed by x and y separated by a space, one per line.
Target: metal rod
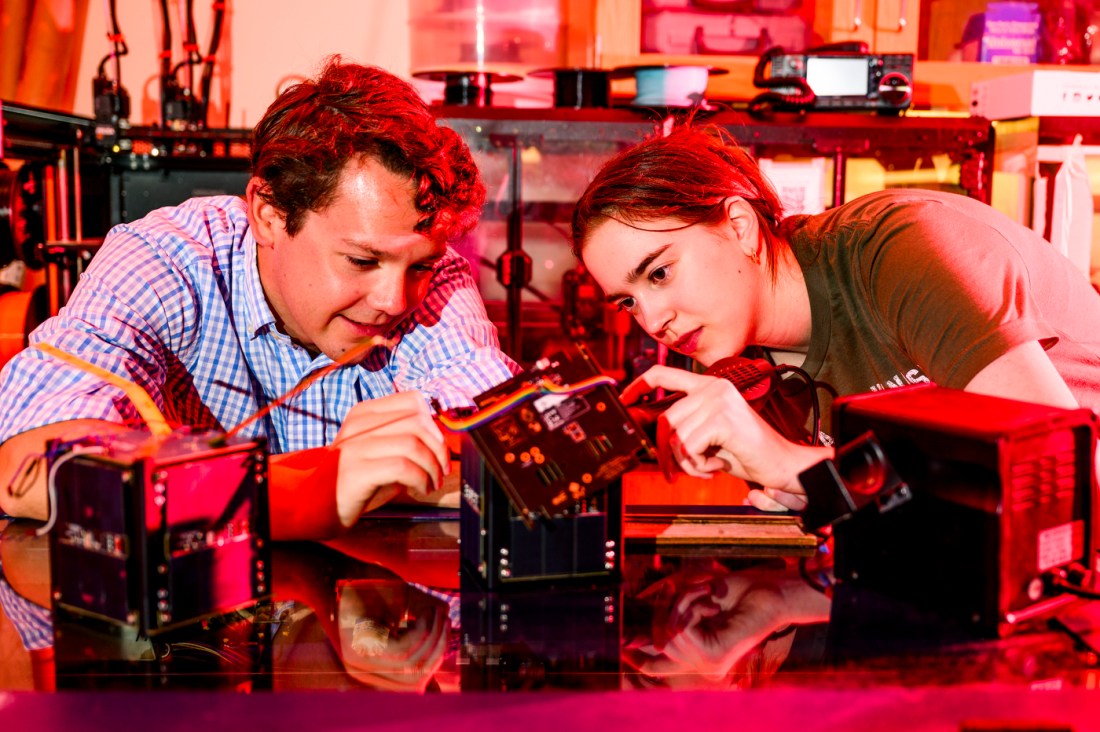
pixel 78 210
pixel 63 192
pixel 49 186
pixel 840 162
pixel 515 245
pixel 1038 609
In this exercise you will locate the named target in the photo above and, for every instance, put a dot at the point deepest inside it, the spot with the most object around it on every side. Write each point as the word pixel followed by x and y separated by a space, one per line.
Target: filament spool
pixel 670 85
pixel 467 88
pixel 578 88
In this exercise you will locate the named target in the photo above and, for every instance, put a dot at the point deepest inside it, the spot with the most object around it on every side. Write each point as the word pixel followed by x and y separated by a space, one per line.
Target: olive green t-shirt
pixel 915 285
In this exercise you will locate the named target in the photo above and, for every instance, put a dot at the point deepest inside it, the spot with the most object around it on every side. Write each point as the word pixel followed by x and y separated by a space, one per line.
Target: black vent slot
pixel 1042 479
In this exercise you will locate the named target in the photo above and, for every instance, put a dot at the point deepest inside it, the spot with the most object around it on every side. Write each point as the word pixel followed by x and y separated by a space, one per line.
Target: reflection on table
pixel 385 608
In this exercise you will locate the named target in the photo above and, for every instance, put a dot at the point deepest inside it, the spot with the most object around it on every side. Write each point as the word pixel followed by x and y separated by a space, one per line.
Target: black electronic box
pixel 541 497
pixel 154 532
pixel 850 81
pixel 1001 501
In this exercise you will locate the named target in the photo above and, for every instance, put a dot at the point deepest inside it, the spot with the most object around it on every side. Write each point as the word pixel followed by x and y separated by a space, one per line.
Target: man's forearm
pixel 302 494
pixel 23 468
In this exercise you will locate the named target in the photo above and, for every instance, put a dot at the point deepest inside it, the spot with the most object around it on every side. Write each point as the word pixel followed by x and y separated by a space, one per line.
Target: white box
pixel 1038 93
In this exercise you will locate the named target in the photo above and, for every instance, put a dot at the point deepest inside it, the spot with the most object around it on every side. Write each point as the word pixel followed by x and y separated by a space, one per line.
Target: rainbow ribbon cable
pixel 539 387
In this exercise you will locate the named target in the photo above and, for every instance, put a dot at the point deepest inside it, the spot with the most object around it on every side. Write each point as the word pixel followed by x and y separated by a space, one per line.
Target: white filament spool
pixel 671 86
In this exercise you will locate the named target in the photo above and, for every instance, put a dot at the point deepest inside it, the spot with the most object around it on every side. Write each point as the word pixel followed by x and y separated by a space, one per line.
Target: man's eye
pixel 625 305
pixel 426 268
pixel 362 263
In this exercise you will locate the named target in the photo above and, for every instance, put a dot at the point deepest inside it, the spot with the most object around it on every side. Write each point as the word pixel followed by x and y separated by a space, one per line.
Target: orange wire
pixel 352 355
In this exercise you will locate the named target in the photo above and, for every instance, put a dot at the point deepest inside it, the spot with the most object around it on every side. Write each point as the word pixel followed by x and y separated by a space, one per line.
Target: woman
pixel 896 287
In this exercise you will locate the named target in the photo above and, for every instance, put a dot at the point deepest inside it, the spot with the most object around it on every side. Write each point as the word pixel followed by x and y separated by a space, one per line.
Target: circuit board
pixel 559 435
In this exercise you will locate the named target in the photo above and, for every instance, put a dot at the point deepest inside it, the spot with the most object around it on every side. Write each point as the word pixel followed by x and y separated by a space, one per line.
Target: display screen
pixel 830 76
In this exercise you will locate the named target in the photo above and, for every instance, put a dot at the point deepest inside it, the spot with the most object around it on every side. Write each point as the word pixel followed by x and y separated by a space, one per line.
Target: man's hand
pixel 392 636
pixel 388 446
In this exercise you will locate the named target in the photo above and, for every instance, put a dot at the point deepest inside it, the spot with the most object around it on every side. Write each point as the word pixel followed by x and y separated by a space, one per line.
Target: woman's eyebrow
pixel 638 271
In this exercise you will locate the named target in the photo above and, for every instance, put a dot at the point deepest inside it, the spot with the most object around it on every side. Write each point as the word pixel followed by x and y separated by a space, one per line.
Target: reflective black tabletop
pixel 386 609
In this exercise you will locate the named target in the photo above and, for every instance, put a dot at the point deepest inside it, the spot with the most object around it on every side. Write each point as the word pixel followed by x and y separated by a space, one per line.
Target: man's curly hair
pixel 312 130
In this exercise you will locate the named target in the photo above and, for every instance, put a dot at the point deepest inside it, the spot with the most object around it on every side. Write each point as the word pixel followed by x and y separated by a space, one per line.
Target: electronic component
pixel 982 501
pixel 110 100
pixel 556 436
pixel 754 379
pixel 567 639
pixel 540 492
pixel 859 475
pixel 153 532
pixel 837 77
pixel 851 81
pixel 231 652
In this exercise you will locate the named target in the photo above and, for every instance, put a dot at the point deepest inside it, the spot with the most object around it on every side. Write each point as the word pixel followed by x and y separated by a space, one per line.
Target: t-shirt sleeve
pixel 130 309
pixel 953 288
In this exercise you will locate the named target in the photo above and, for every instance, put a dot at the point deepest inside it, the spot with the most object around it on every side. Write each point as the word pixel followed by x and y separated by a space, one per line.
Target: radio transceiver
pixel 841 81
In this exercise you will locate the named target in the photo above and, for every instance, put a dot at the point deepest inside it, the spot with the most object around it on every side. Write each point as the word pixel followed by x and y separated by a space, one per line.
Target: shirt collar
pixel 258 315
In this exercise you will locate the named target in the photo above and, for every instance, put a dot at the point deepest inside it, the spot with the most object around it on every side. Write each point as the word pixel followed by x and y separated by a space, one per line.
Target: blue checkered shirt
pixel 31 621
pixel 173 302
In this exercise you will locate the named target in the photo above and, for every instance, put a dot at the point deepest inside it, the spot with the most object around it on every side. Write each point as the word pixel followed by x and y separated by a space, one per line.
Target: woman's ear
pixel 266 221
pixel 745 226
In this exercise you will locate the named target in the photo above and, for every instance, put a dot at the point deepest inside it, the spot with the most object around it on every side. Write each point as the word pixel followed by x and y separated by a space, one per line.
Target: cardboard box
pixel 1037 93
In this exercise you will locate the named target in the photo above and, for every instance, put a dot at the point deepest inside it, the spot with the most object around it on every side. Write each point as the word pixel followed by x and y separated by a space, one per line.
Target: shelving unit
pixel 887 26
pixel 938 85
pixel 553 153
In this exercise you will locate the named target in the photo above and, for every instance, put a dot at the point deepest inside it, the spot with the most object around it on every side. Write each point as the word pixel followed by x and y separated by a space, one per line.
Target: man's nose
pixel 388 295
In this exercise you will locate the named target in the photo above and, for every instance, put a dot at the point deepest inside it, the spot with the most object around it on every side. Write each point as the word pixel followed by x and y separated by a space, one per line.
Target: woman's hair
pixel 686 175
pixel 349 112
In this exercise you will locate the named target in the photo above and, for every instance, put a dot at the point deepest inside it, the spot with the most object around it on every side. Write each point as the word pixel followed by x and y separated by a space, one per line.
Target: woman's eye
pixel 626 304
pixel 361 263
pixel 660 274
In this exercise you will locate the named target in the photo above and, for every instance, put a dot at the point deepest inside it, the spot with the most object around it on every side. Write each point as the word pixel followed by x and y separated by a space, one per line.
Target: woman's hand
pixel 713 622
pixel 388 446
pixel 712 428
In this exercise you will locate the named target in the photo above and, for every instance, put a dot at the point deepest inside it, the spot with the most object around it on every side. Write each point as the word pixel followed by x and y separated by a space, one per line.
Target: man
pixel 221 305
